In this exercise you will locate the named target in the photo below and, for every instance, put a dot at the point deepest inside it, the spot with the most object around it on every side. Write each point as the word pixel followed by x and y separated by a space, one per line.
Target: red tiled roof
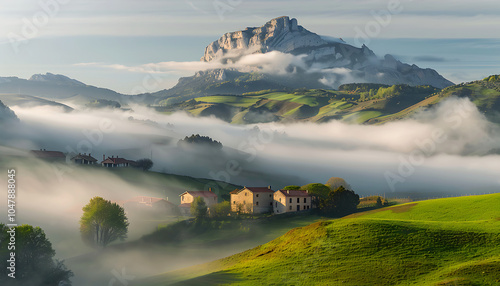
pixel 48 154
pixel 204 194
pixel 294 193
pixel 188 205
pixel 259 189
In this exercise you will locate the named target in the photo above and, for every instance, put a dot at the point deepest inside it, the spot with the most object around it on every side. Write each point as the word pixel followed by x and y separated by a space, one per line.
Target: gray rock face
pixel 281 34
pixel 323 57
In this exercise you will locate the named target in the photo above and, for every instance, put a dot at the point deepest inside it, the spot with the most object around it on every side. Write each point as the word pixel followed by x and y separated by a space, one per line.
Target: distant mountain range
pixel 56 87
pixel 363 103
pixel 322 79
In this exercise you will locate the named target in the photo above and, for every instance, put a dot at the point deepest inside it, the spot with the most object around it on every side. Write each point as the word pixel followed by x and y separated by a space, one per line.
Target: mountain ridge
pixel 317 64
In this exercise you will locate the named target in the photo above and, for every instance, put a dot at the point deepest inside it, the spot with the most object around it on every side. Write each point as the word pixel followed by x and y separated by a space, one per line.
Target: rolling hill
pixel 353 103
pixel 484 93
pixel 30 101
pixel 450 241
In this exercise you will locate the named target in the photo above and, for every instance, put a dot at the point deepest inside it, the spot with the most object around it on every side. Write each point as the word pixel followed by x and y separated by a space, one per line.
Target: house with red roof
pixel 252 200
pixel 291 201
pixel 188 197
pixel 114 162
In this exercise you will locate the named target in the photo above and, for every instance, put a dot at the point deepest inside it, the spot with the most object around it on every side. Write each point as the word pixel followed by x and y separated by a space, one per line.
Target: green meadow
pixel 453 241
pixel 352 103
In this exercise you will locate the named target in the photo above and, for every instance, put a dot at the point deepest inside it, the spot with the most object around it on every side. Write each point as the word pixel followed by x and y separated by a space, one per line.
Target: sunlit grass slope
pixel 452 241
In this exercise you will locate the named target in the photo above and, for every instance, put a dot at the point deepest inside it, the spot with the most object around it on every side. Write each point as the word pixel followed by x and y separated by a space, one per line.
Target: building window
pixel 307 207
pixel 298 200
pixel 256 203
pixel 305 200
pixel 234 202
pixel 280 200
pixel 290 200
pixel 290 207
pixel 276 204
pixel 245 194
pixel 257 195
pixel 270 196
pixel 244 202
pixel 271 203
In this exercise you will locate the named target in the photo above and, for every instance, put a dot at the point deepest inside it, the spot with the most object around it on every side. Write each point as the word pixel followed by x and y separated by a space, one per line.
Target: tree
pixel 340 202
pixel 221 210
pixel 145 164
pixel 200 141
pixel 103 222
pixel 292 187
pixel 318 191
pixel 199 209
pixel 335 182
pixel 379 203
pixel 34 263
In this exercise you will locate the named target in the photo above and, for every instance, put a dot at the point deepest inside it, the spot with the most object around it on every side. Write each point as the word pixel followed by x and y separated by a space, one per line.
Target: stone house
pixel 291 201
pixel 252 200
pixel 188 197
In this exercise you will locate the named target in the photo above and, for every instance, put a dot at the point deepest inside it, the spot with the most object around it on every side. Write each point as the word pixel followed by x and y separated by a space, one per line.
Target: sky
pixel 459 39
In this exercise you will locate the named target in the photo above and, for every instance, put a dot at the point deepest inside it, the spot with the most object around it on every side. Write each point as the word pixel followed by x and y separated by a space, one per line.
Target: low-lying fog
pixel 449 150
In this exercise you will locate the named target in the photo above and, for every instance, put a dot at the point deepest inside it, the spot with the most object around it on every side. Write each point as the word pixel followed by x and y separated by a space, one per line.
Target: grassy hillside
pixel 353 103
pixel 484 93
pixel 436 242
pixel 357 103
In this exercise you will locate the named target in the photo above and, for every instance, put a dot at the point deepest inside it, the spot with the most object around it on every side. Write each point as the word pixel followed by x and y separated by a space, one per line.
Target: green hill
pixel 354 103
pixel 484 93
pixel 437 242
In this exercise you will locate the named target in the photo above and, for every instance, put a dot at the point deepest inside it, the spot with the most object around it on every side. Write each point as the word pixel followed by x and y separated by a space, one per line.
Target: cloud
pixel 273 62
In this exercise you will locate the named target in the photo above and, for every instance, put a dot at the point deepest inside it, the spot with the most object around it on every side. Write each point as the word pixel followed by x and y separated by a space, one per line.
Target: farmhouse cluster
pixel 249 200
pixel 84 159
pixel 254 200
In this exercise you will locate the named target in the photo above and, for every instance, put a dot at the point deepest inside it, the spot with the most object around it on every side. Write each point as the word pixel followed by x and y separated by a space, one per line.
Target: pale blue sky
pixel 137 32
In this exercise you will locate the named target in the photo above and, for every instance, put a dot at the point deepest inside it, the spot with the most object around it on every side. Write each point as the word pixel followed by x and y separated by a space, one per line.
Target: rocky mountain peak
pixel 280 34
pixel 313 61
